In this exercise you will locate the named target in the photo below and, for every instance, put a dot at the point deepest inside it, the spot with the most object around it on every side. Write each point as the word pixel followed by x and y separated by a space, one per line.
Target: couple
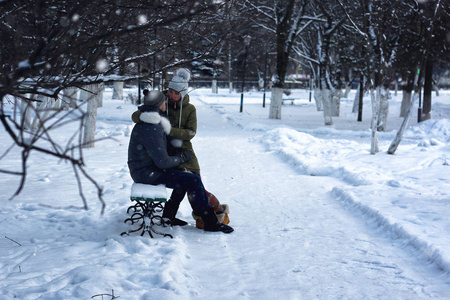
pixel 150 163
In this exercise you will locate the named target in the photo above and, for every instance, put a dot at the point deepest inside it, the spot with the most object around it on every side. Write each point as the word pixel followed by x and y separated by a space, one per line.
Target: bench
pixel 146 210
pixel 288 99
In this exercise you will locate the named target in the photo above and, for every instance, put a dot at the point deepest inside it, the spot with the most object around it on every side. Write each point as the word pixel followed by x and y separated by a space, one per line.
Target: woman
pixel 183 118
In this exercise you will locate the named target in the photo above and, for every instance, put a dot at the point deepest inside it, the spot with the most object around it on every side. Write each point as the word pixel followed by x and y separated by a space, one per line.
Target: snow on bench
pixel 148 192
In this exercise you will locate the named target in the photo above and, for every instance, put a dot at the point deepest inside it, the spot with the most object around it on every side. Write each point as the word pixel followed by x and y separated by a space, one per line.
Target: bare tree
pixel 419 76
pixel 52 45
pixel 285 20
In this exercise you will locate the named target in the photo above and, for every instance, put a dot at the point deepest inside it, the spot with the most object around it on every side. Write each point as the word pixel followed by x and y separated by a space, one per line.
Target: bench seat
pixel 147 208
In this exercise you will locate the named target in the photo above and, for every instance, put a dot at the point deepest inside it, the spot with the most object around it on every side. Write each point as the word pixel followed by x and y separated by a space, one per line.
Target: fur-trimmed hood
pixel 155 118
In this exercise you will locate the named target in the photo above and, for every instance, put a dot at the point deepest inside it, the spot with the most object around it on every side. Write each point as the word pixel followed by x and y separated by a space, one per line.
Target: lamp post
pixel 246 43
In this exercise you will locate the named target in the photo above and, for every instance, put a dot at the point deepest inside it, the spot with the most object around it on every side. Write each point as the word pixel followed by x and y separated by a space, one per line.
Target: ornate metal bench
pixel 146 212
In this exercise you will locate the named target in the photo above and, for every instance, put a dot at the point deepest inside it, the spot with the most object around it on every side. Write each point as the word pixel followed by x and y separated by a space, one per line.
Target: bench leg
pixel 146 213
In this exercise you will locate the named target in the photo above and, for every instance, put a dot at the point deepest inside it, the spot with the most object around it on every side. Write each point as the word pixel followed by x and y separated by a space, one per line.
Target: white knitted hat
pixel 180 81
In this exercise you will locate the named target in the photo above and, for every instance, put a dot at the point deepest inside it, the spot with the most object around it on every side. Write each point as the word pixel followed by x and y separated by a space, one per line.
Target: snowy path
pixel 290 221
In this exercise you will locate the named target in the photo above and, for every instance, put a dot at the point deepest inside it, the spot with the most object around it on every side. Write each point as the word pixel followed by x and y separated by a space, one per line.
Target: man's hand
pixel 185 156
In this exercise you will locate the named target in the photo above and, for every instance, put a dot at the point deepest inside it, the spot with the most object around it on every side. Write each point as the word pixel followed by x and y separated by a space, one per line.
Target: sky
pixel 316 216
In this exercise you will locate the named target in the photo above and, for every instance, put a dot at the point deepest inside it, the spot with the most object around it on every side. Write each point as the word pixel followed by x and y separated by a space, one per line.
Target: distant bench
pixel 288 99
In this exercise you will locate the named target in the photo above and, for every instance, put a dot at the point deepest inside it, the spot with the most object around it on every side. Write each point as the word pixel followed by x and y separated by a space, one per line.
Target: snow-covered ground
pixel 315 215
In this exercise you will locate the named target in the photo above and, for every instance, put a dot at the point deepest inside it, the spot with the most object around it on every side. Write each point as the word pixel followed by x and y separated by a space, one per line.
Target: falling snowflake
pixel 101 65
pixel 142 19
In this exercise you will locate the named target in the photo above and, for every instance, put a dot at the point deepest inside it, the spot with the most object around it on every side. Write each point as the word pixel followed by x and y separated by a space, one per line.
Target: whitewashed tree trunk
pixel 384 110
pixel 40 108
pixel 436 89
pixel 318 99
pixel 356 100
pixel 90 117
pixel 52 105
pixel 26 112
pixel 401 131
pixel 214 86
pixel 100 89
pixel 276 103
pixel 15 108
pixel 85 94
pixel 118 90
pixel 406 100
pixel 375 111
pixel 69 98
pixel 336 102
pixel 57 104
pixel 230 87
pixel 327 113
pixel 348 87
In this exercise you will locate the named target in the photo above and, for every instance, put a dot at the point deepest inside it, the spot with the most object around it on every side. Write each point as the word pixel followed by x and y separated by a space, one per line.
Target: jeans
pixel 192 183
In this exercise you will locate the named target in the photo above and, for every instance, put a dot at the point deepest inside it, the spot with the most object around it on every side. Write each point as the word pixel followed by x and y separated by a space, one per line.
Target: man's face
pixel 163 106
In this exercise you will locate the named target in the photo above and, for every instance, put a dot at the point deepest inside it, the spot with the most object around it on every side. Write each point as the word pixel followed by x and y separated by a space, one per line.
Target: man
pixel 150 163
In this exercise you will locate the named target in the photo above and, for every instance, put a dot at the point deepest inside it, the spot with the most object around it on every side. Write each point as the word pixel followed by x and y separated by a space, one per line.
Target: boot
pixel 211 223
pixel 222 217
pixel 170 210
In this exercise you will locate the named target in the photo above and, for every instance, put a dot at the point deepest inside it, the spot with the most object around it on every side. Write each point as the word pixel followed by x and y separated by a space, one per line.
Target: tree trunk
pixel 318 99
pixel 326 99
pixel 40 108
pixel 361 96
pixel 100 89
pixel 336 102
pixel 401 131
pixel 406 101
pixel 383 109
pixel 275 103
pixel 375 111
pixel 348 83
pixel 214 86
pixel 427 89
pixel 26 111
pixel 118 90
pixel 85 95
pixel 69 98
pixel 52 105
pixel 230 81
pixel 406 96
pixel 90 117
pixel 356 100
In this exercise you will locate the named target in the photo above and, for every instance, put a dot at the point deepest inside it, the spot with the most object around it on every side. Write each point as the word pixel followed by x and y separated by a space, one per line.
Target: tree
pixel 52 45
pixel 425 54
pixel 329 92
pixel 285 20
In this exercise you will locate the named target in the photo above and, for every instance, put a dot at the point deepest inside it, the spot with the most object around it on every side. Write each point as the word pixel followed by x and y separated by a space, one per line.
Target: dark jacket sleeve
pixel 148 149
pixel 157 150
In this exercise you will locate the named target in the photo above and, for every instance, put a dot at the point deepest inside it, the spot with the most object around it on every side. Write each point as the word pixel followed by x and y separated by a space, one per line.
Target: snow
pixel 316 216
pixel 140 190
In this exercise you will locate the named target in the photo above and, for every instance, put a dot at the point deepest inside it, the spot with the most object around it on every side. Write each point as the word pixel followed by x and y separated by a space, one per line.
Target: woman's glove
pixel 177 143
